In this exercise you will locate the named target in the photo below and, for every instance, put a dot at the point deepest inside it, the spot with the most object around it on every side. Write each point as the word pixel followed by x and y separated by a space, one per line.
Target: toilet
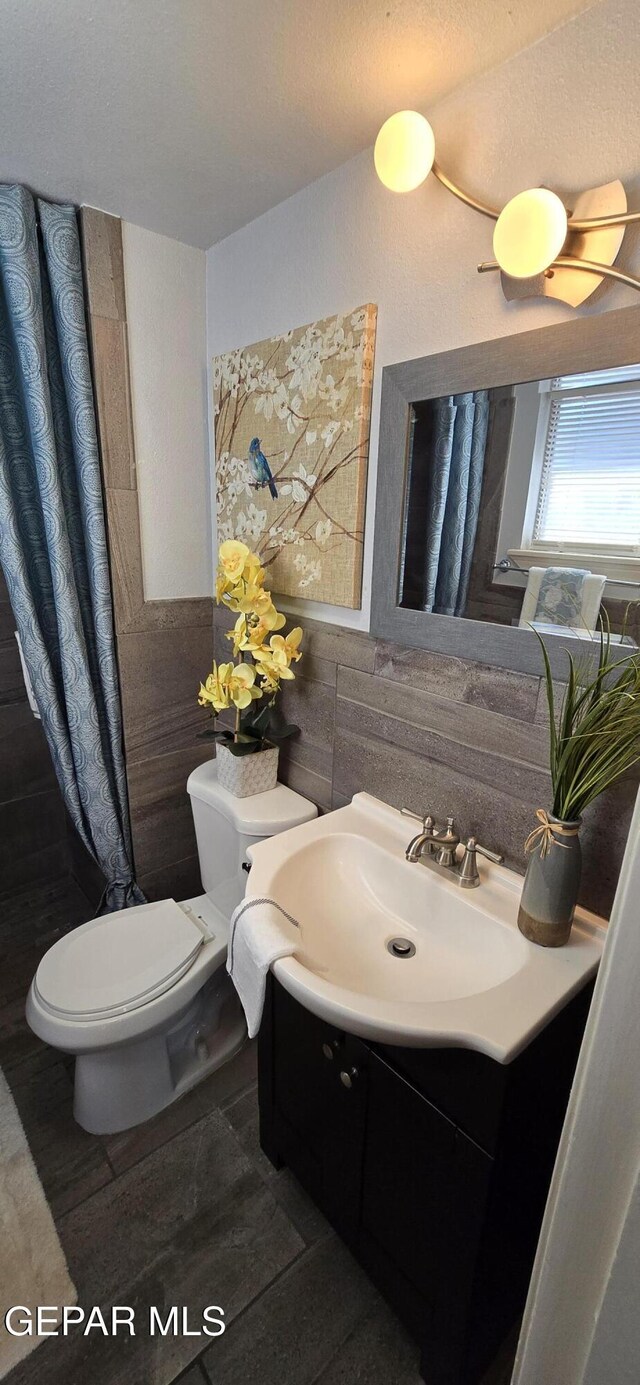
pixel 141 997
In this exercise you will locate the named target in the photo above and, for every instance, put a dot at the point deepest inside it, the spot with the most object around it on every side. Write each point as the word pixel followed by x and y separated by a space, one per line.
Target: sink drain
pixel 401 947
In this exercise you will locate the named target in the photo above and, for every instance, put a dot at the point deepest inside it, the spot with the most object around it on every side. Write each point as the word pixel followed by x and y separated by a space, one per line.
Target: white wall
pixel 582 1325
pixel 564 112
pixel 165 290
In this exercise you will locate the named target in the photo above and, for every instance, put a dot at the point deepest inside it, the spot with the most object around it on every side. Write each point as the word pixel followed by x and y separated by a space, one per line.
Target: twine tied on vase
pixel 548 833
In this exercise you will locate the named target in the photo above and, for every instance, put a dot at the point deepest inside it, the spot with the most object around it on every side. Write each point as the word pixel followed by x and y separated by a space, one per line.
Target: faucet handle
pixel 490 855
pixel 468 870
pixel 446 843
pixel 428 822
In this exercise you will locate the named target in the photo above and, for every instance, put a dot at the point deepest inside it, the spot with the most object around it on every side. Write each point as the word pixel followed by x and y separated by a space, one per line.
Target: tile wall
pixel 33 834
pixel 163 646
pixel 435 733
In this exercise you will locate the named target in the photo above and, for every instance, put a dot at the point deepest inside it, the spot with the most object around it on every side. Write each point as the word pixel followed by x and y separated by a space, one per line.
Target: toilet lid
pixel 118 962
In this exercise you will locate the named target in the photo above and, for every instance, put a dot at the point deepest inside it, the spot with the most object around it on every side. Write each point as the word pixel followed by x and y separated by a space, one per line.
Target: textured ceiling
pixel 191 117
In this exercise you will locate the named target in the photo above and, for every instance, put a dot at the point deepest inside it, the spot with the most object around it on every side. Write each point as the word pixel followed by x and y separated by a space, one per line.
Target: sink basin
pixel 393 952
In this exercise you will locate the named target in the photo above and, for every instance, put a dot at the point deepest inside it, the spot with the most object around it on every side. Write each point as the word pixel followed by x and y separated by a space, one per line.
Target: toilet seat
pixel 118 962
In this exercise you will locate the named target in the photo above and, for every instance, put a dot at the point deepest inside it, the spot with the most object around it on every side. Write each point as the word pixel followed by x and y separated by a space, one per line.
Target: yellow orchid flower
pixel 258 632
pixel 253 572
pixel 240 635
pixel 271 668
pixel 262 601
pixel 270 681
pixel 252 599
pixel 240 588
pixel 223 586
pixel 285 647
pixel 214 692
pixel 232 557
pixel 240 682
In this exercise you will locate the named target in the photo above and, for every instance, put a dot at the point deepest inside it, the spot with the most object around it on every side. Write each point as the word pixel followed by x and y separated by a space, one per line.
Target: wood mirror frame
pixel 585 343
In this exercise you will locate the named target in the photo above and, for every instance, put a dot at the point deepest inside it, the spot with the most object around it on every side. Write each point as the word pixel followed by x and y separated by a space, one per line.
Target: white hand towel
pixel 261 931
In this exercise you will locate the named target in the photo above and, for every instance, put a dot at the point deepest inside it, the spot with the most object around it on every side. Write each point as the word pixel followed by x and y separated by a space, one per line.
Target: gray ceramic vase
pixel 551 887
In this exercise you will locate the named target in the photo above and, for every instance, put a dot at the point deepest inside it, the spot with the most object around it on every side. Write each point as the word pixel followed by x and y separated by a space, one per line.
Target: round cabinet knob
pixel 348 1078
pixel 327 1050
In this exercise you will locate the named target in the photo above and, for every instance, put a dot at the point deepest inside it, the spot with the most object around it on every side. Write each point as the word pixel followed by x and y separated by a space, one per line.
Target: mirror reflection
pixel 523 505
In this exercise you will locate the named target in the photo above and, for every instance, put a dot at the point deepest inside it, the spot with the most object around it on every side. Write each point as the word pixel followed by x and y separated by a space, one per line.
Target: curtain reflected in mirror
pixel 522 505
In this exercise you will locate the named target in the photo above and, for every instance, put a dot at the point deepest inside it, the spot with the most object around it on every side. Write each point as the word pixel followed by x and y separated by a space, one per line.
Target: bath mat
pixel 33 1269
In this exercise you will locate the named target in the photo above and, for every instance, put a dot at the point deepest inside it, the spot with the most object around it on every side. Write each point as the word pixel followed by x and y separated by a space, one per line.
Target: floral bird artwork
pixel 261 469
pixel 292 416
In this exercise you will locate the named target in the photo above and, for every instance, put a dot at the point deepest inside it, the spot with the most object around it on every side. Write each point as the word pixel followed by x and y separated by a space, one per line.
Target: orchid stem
pixel 236 734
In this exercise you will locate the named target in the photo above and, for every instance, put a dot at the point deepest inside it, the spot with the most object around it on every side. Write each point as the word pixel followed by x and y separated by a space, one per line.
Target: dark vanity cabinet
pixel 432 1164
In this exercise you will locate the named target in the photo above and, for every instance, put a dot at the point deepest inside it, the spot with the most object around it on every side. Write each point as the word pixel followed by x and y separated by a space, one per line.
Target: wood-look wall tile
pixel 317 670
pixel 12 687
pixel 312 786
pixel 103 263
pixel 161 818
pixel 478 763
pixel 84 870
pixel 111 377
pixel 498 816
pixel 178 880
pixel 32 840
pixel 604 838
pixel 336 643
pixel 311 707
pixel 123 528
pixel 7 621
pixel 24 754
pixel 173 614
pixel 497 690
pixel 542 706
pixel 160 673
pixel 222 617
pixel 417 713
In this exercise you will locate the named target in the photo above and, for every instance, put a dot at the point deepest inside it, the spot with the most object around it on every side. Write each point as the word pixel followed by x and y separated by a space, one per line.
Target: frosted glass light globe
pixel 404 151
pixel 530 233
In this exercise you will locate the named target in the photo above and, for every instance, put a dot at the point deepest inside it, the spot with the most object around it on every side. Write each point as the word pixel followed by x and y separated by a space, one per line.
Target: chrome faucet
pixel 425 839
pixel 439 851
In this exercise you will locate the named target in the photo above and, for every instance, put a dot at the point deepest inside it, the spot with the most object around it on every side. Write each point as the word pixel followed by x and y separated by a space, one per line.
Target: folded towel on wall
pixel 260 932
pixel 567 596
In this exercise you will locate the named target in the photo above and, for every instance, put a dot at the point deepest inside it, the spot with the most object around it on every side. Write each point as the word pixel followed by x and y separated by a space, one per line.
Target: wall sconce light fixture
pixel 540 248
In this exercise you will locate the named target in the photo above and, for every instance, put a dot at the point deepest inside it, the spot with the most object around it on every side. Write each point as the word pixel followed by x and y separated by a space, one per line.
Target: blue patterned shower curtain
pixel 52 530
pixel 455 484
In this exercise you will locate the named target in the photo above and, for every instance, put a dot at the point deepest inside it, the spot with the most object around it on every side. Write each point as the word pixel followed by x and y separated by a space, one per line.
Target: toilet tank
pixel 227 826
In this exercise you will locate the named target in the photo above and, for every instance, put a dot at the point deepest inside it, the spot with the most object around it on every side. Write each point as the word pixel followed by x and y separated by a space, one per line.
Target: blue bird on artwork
pixel 260 468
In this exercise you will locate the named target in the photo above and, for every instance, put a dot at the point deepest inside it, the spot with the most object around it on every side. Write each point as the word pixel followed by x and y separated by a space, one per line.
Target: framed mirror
pixel 508 495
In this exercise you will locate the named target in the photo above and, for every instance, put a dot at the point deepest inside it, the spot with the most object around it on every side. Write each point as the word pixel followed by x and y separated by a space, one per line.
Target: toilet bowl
pixel 141 997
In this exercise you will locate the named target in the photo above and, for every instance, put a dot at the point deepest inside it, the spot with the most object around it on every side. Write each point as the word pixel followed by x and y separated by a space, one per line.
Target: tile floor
pixel 185 1210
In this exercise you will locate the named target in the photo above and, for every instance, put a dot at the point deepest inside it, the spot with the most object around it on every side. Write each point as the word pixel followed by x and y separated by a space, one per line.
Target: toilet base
pixel 121 1087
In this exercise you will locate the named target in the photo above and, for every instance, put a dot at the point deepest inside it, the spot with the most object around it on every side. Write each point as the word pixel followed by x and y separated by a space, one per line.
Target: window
pixel 589 484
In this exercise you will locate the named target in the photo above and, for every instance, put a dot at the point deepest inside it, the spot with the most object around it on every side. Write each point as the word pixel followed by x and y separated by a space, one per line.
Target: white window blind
pixel 590 485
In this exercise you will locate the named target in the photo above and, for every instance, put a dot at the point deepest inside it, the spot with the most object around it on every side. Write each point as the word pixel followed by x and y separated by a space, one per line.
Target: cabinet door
pixel 424 1189
pixel 320 1077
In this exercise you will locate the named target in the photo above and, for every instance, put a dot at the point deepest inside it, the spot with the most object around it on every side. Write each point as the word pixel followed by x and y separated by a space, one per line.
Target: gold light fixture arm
pixel 604 271
pixel 466 197
pixel 592 223
pixel 598 223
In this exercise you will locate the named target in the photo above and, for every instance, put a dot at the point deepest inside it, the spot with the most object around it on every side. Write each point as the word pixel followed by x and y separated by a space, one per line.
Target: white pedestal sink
pixel 466 977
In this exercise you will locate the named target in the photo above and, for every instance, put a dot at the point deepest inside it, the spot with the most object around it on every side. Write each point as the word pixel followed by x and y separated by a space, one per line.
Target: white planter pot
pixel 243 775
